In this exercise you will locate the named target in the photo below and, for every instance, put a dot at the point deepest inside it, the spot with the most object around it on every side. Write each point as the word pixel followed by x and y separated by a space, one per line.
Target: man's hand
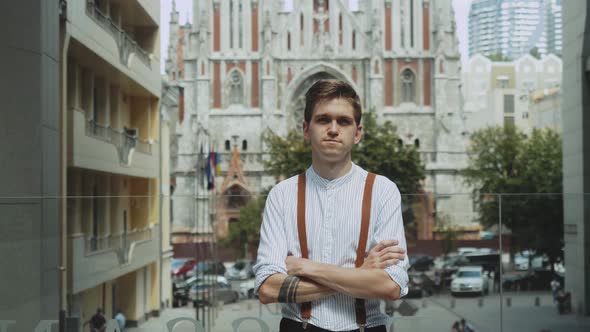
pixel 297 266
pixel 383 255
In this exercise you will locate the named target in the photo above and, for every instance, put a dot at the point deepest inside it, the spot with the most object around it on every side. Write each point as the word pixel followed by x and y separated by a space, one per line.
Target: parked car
pixel 202 293
pixel 247 289
pixel 242 269
pixel 419 285
pixel 180 272
pixel 176 264
pixel 421 263
pixel 180 289
pixel 470 279
pixel 446 266
pixel 207 267
pixel 538 279
pixel 521 260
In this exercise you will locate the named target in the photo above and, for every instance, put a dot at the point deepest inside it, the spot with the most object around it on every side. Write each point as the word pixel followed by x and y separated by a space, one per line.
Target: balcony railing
pixel 117 241
pixel 126 44
pixel 123 140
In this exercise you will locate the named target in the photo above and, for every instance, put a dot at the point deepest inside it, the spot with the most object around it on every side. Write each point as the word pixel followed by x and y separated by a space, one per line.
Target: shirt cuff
pixel 263 272
pixel 400 276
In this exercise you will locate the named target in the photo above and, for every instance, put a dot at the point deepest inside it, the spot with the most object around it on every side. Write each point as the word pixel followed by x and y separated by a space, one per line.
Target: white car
pixel 470 279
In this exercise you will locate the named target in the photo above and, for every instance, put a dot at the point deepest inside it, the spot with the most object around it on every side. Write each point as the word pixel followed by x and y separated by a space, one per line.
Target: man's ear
pixel 306 130
pixel 359 134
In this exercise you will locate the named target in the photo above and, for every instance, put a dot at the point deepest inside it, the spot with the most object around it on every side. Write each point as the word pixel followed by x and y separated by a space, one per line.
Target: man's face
pixel 332 130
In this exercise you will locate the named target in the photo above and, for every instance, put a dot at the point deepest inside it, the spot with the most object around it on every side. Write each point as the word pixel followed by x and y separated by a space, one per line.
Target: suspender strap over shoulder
pixel 360 309
pixel 306 306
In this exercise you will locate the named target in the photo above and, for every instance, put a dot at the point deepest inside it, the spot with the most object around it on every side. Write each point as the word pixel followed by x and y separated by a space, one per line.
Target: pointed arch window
pixel 231 24
pixel 353 40
pixel 408 86
pixel 244 145
pixel 302 30
pixel 288 41
pixel 227 145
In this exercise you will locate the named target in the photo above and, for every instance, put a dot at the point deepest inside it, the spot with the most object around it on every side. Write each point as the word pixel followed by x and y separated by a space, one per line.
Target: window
pixel 502 82
pixel 509 104
pixel 408 86
pixel 411 23
pixel 353 40
pixel 417 143
pixel 236 89
pixel 288 41
pixel 244 145
pixel 240 25
pixel 227 145
pixel 231 24
pixel 508 121
pixel 302 30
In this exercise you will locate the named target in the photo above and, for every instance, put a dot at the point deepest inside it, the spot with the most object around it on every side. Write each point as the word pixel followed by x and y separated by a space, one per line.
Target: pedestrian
pixel 466 327
pixel 98 322
pixel 555 287
pixel 120 318
pixel 312 223
pixel 456 327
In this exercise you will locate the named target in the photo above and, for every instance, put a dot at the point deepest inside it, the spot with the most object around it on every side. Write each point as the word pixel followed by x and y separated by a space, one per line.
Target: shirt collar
pixel 330 184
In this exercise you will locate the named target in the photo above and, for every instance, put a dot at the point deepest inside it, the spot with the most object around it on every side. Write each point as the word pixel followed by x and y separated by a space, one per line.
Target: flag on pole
pixel 211 169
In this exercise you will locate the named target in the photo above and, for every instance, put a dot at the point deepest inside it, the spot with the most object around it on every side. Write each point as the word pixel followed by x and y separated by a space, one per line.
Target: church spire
pixel 235 171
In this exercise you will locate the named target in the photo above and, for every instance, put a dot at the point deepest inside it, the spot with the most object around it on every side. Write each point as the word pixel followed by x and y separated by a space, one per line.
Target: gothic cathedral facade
pixel 245 65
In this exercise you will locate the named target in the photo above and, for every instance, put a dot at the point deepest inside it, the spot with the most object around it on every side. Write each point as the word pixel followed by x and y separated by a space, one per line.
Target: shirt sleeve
pixel 272 250
pixel 390 226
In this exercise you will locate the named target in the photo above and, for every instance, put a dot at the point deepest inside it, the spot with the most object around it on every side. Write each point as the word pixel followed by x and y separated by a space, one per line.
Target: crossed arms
pixel 307 280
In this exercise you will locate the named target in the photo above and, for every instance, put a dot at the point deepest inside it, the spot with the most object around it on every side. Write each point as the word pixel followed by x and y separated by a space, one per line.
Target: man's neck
pixel 331 170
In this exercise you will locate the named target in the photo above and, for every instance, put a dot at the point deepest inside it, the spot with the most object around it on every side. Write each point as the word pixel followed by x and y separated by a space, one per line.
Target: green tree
pixel 535 52
pixel 245 233
pixel 498 56
pixel 527 171
pixel 378 152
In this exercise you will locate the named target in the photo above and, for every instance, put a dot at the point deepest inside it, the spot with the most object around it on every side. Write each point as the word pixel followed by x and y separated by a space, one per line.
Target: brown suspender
pixel 306 306
pixel 360 309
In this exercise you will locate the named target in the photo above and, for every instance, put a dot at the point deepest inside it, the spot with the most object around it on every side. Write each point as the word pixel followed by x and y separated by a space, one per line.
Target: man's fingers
pixel 384 244
pixel 391 255
pixel 390 249
pixel 388 263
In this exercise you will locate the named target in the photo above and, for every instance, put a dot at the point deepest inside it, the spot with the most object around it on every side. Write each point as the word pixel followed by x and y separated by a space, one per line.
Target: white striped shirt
pixel 333 220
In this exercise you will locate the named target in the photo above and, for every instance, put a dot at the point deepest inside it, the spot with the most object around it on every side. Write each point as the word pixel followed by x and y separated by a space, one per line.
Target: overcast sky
pixel 185 9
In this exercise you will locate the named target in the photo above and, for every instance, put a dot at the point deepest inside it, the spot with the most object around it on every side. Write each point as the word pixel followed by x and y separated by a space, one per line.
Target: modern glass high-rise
pixel 514 27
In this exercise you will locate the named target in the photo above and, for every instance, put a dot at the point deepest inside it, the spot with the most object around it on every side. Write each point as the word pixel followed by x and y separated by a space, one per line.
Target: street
pixel 436 313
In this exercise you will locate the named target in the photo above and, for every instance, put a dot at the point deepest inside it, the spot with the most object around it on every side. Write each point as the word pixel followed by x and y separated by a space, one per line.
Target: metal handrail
pixel 126 44
pixel 118 241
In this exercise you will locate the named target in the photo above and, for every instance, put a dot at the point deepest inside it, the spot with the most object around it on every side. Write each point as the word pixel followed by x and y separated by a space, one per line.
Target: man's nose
pixel 333 129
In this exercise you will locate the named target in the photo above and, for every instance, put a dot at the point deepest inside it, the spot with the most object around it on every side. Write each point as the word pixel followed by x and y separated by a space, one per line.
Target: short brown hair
pixel 325 90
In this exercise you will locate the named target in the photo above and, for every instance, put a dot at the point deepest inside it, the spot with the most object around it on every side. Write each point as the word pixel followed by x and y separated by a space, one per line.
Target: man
pixel 98 322
pixel 333 198
pixel 121 320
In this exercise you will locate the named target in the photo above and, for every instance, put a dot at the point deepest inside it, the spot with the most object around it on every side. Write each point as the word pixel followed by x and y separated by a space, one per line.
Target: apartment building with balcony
pixel 498 93
pixel 111 149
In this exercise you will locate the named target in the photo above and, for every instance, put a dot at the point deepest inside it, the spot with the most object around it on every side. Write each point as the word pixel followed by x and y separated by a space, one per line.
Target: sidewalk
pixel 434 314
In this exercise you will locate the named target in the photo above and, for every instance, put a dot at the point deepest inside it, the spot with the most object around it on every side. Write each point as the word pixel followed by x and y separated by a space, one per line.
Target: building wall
pixel 29 121
pixel 112 87
pixel 576 154
pixel 486 85
pixel 515 27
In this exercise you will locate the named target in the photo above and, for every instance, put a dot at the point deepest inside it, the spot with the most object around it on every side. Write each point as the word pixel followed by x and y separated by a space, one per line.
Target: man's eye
pixel 344 121
pixel 323 120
